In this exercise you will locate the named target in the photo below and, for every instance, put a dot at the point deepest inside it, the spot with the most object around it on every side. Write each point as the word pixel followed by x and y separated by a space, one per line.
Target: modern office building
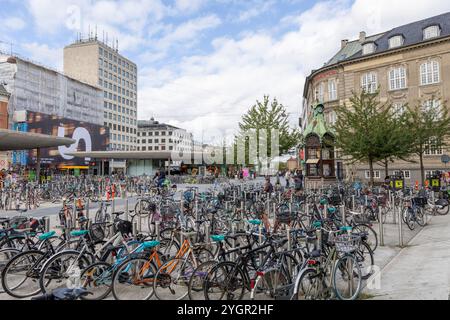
pixel 409 64
pixel 100 65
pixel 155 136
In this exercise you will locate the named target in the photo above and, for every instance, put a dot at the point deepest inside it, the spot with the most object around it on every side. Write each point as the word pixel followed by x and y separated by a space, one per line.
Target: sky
pixel 204 63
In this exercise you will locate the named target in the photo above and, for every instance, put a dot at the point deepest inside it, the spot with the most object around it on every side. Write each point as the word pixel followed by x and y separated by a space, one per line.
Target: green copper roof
pixel 318 124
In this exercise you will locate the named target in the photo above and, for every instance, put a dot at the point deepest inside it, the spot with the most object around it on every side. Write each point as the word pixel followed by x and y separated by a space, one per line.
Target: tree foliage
pixel 268 115
pixel 425 125
pixel 369 131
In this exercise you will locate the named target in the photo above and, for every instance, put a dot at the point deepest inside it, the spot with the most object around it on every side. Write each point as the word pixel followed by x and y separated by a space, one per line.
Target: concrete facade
pixel 349 76
pixel 102 66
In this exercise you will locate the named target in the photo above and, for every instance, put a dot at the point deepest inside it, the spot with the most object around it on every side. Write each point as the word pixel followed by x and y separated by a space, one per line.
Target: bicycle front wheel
pixel 347 278
pixel 97 279
pixel 133 279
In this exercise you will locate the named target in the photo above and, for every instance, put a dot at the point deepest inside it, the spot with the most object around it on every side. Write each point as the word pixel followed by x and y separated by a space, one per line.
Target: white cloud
pixel 209 92
pixel 14 23
pixel 255 10
pixel 188 6
pixel 43 54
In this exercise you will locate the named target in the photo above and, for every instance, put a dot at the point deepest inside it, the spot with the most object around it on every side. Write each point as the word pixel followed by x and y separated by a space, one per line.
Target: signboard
pixel 20 157
pixel 88 137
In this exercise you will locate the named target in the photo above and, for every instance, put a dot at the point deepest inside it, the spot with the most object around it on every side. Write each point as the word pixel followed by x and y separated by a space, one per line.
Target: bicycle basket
pixel 346 243
pixel 97 232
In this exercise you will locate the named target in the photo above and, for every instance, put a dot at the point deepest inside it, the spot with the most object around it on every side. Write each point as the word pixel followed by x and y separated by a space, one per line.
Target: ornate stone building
pixel 409 64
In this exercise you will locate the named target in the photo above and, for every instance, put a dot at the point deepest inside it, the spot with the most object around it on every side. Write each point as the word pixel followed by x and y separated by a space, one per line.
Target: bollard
pixel 380 226
pixel 113 205
pixel 127 210
pixel 353 202
pixel 325 211
pixel 233 230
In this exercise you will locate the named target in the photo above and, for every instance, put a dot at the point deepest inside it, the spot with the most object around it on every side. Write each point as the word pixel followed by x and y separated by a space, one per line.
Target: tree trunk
pixel 371 173
pixel 422 169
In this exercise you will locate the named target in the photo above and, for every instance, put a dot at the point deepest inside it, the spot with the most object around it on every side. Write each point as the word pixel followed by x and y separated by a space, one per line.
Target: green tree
pixel 268 115
pixel 426 128
pixel 367 131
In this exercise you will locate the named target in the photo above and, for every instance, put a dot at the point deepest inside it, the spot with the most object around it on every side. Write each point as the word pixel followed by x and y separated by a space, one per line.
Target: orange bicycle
pixel 174 275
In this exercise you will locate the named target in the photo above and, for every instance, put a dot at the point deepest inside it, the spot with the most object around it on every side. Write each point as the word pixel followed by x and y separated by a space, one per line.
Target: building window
pixel 397 78
pixel 368 48
pixel 163 148
pixel 332 90
pixel 431 32
pixel 369 82
pixel 144 148
pixel 432 106
pixel 319 93
pixel 156 148
pixel 376 174
pixel 332 118
pixel 395 41
pixel 429 72
pixel 433 147
pixel 398 109
pixel 405 173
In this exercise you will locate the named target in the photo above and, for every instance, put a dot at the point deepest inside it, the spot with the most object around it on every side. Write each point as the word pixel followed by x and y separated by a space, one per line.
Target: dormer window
pixel 395 41
pixel 369 48
pixel 431 32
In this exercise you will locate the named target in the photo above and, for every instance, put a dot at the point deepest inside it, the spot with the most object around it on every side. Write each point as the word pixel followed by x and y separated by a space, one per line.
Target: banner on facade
pixel 88 137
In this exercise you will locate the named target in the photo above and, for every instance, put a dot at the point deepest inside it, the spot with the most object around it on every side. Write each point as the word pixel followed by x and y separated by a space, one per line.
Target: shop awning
pixel 312 161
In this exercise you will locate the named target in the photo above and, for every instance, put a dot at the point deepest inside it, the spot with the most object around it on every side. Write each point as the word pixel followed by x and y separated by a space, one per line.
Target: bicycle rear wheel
pixel 173 279
pixel 225 281
pixel 97 279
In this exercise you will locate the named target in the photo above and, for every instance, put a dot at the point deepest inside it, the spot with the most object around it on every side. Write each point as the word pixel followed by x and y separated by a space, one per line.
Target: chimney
pixel 344 43
pixel 362 36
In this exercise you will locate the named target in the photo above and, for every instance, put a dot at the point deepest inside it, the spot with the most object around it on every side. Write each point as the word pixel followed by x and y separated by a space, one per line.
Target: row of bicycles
pixel 231 242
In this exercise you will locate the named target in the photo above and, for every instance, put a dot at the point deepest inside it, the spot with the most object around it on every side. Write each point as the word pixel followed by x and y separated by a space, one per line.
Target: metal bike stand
pixel 344 221
pixel 233 230
pixel 157 230
pixel 353 202
pixel 135 228
pixel 140 223
pixel 46 224
pixel 75 212
pixel 127 209
pixel 400 228
pixel 260 241
pixel 380 226
pixel 87 208
pixel 325 211
pixel 289 243
pixel 113 204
